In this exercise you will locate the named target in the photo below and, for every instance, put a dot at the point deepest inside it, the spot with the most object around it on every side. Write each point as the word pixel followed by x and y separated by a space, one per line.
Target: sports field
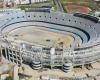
pixel 83 6
pixel 71 8
pixel 42 36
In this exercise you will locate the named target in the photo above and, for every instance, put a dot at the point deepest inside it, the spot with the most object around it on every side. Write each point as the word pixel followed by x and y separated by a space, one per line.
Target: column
pixel 15 73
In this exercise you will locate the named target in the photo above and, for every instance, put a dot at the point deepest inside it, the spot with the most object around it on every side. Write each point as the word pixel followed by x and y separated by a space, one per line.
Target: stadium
pixel 49 39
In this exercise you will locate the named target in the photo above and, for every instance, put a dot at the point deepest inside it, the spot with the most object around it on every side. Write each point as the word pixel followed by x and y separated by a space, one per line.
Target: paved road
pixel 58 5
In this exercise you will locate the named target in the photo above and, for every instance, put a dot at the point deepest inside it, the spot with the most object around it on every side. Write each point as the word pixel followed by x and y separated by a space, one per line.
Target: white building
pixel 97 14
pixel 97 0
pixel 28 1
pixel 22 1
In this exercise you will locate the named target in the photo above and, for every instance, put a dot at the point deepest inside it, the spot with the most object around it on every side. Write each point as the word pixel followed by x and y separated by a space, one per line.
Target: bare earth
pixel 76 8
pixel 39 36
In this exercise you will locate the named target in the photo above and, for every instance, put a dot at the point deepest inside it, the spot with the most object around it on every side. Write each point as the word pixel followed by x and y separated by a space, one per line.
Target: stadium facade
pixel 84 29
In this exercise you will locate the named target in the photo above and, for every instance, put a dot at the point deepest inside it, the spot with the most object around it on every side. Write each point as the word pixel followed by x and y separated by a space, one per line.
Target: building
pixel 51 40
pixel 28 1
pixel 98 1
pixel 8 3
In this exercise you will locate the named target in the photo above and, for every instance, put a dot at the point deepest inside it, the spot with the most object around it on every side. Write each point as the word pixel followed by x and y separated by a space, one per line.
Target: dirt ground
pixel 76 8
pixel 43 37
pixel 83 6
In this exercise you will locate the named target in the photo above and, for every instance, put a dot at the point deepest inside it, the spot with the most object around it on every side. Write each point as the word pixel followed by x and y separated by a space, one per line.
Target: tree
pixel 9 78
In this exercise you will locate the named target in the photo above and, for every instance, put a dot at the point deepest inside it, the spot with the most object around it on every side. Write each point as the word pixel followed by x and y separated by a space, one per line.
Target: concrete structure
pixel 97 0
pixel 28 1
pixel 15 74
pixel 50 49
pixel 97 14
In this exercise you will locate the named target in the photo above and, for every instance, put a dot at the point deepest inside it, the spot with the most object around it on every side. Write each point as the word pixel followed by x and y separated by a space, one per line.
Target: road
pixel 58 5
